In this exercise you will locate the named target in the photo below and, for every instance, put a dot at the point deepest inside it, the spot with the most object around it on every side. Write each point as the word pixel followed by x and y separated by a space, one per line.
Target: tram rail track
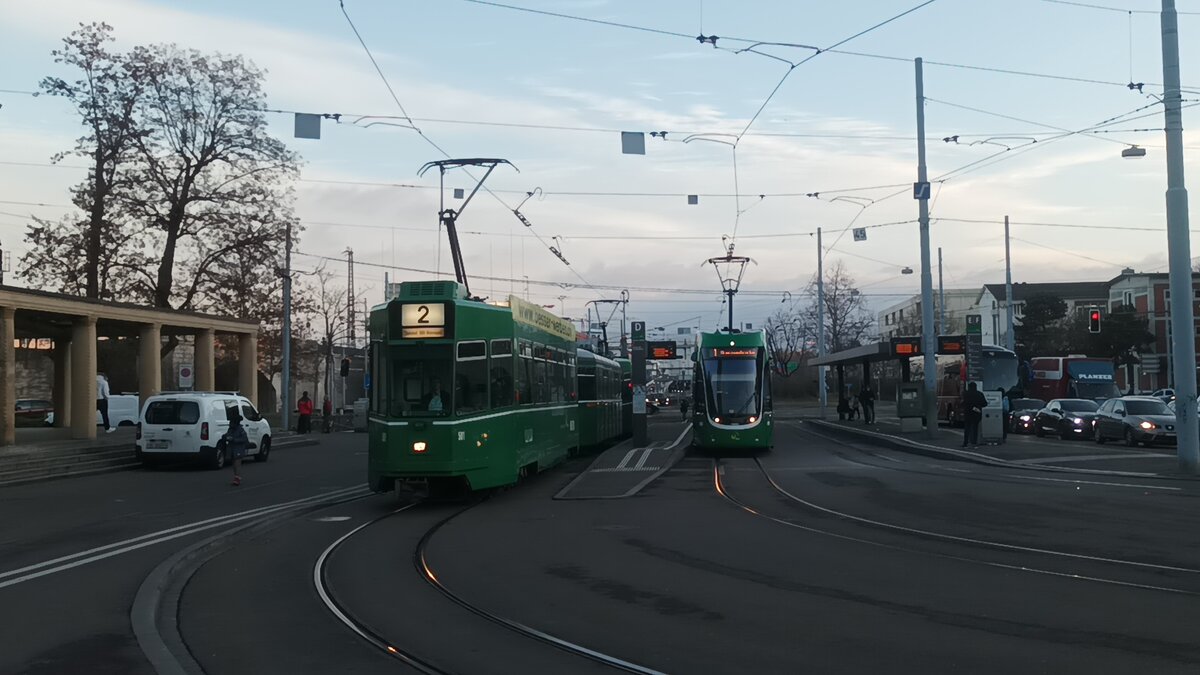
pixel 722 489
pixel 425 569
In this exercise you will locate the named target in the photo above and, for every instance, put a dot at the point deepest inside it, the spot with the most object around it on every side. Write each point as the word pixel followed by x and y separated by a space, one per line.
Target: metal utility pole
pixel 821 323
pixel 730 282
pixel 285 379
pixel 350 295
pixel 941 297
pixel 624 342
pixel 928 339
pixel 1179 246
pixel 1010 339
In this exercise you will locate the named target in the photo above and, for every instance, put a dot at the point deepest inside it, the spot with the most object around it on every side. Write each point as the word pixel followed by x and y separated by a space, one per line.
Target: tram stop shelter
pixel 74 324
pixel 864 356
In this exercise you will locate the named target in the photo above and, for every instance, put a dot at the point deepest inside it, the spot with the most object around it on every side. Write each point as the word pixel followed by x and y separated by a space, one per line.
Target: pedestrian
pixel 236 442
pixel 868 404
pixel 433 400
pixel 305 407
pixel 1006 406
pixel 102 394
pixel 683 408
pixel 973 404
pixel 854 406
pixel 327 414
pixel 843 406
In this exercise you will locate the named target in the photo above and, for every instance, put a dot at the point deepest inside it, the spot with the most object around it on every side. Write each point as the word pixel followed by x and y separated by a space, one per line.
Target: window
pixel 502 373
pixel 1128 298
pixel 541 388
pixel 378 385
pixel 471 377
pixel 172 412
pixel 525 373
pixel 418 377
pixel 249 413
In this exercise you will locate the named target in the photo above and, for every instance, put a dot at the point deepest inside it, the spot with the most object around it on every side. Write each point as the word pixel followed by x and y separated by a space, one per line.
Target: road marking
pixel 1090 458
pixel 645 456
pixel 1090 482
pixel 331 519
pixel 63 563
pixel 626 469
pixel 628 456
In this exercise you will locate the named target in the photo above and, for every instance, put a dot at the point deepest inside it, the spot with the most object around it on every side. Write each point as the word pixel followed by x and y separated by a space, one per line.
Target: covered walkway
pixel 74 324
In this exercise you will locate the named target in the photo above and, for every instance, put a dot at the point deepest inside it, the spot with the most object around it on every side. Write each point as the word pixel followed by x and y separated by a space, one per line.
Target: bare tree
pixel 105 96
pixel 787 334
pixel 847 321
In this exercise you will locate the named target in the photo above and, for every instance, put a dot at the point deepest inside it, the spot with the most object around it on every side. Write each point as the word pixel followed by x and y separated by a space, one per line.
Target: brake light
pixel 204 431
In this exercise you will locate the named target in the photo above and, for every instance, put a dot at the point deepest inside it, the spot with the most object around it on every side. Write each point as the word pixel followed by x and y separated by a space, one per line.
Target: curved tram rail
pixel 723 491
pixel 423 567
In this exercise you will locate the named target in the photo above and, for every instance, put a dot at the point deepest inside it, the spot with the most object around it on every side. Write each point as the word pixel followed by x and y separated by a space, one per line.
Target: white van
pixel 122 411
pixel 192 424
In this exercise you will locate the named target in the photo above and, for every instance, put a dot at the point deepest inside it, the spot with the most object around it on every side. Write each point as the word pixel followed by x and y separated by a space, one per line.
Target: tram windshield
pixel 421 381
pixel 733 386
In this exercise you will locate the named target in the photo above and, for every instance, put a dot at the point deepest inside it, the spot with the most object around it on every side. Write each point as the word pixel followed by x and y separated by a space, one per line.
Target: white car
pixel 122 411
pixel 192 425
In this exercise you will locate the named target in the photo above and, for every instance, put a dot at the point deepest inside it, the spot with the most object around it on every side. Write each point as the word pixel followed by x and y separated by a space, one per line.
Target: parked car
pixel 122 411
pixel 31 411
pixel 1067 417
pixel 1166 395
pixel 662 399
pixel 1021 414
pixel 1136 419
pixel 192 425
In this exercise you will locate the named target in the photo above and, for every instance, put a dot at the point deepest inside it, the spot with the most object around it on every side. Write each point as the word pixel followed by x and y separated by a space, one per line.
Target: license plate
pixel 157 445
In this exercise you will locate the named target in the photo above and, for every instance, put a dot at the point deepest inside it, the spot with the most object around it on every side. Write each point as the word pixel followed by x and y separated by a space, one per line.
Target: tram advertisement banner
pixel 536 317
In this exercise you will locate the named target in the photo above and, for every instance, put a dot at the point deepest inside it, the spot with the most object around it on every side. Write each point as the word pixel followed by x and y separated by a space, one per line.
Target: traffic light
pixel 1094 321
pixel 345 367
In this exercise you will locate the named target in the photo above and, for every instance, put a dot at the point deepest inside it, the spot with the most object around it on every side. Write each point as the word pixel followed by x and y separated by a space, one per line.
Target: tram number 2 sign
pixel 427 320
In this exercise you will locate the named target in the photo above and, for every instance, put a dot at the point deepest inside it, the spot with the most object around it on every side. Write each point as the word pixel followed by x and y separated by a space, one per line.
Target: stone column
pixel 206 373
pixel 149 361
pixel 83 378
pixel 62 383
pixel 8 377
pixel 248 366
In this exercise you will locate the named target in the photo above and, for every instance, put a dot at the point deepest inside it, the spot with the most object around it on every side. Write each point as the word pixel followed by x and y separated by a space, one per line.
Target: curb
pixel 169 655
pixel 938 452
pixel 286 442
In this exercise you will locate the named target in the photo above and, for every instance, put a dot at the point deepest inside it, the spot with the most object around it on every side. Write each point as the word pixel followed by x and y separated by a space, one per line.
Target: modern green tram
pixel 466 394
pixel 732 392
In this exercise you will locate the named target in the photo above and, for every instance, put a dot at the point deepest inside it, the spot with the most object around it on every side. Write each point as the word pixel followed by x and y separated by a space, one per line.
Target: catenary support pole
pixel 1183 325
pixel 1010 338
pixel 928 339
pixel 285 378
pixel 941 297
pixel 821 323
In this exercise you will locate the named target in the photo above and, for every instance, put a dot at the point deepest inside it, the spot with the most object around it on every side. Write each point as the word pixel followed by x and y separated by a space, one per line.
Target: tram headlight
pixel 419 446
pixel 752 418
pixel 717 420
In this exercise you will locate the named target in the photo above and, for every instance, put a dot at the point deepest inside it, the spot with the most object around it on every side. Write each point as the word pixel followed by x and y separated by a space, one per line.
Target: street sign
pixel 638 330
pixel 187 376
pixel 661 350
pixel 921 190
pixel 860 234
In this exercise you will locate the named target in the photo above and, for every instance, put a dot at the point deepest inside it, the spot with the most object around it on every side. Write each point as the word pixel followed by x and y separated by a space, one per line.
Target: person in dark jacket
pixel 237 442
pixel 973 404
pixel 305 407
pixel 867 399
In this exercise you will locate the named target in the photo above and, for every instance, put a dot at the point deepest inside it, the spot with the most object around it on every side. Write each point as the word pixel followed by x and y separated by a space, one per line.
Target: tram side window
pixel 541 388
pixel 587 385
pixel 501 373
pixel 559 380
pixel 525 374
pixel 471 377
pixel 377 384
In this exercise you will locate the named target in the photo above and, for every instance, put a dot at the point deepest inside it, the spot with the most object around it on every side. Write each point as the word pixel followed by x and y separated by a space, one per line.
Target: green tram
pixel 732 392
pixel 466 394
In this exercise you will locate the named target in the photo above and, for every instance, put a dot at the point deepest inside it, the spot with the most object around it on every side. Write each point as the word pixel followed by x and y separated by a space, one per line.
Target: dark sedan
pixel 1023 410
pixel 1135 419
pixel 1067 417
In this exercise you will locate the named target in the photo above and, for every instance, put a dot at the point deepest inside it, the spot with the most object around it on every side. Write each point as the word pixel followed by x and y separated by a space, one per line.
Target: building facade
pixel 1149 294
pixel 904 317
pixel 992 299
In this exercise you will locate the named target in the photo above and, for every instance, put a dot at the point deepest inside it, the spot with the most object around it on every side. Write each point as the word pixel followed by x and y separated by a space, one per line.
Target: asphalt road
pixel 820 556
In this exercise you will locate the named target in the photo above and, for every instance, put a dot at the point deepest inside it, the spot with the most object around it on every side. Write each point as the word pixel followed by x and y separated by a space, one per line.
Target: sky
pixel 840 125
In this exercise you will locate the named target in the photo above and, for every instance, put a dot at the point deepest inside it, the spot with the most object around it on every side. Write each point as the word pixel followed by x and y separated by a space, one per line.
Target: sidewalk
pixel 1020 451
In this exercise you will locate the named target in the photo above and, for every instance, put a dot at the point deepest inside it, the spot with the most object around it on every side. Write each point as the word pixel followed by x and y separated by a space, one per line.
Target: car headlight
pixel 1147 425
pixel 1025 418
pixel 1077 421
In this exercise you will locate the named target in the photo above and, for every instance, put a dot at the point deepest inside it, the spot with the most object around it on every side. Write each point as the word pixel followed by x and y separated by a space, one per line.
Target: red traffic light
pixel 1095 316
pixel 1094 321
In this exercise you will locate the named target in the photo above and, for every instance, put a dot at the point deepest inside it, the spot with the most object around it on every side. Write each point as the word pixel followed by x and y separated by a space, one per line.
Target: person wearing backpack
pixel 237 442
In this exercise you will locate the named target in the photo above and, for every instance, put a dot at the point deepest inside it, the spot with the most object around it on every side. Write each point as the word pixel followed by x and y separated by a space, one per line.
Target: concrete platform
pixel 625 469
